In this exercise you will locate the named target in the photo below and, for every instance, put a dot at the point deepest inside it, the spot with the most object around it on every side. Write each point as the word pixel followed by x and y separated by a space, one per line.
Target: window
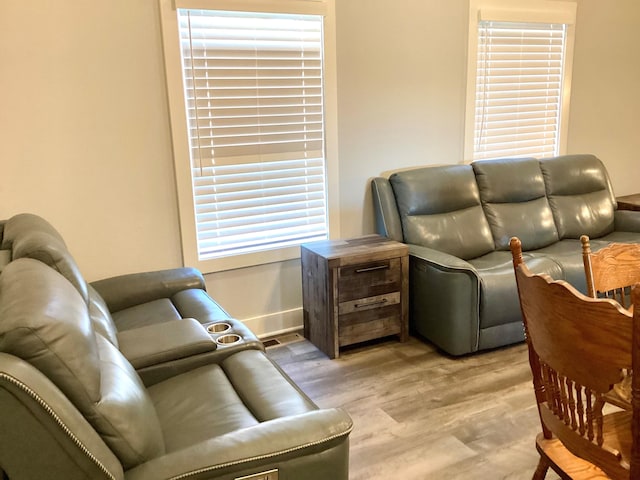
pixel 249 118
pixel 519 75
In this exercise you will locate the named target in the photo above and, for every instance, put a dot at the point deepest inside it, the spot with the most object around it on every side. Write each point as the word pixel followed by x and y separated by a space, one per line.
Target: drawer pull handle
pixel 371 304
pixel 371 269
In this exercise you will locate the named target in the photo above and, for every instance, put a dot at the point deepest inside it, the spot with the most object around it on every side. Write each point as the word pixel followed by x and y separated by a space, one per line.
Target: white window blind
pixel 254 99
pixel 519 85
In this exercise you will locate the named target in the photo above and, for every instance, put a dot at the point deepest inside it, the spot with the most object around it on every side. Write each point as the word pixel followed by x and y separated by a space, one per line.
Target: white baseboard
pixel 276 323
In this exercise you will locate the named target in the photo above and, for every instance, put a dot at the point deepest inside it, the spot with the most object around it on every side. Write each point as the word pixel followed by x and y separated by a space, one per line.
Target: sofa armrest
pixel 164 342
pixel 627 221
pixel 274 444
pixel 126 291
pixel 442 259
pixel 446 296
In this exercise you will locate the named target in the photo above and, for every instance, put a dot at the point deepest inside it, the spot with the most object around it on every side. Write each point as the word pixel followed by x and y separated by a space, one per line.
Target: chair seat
pixel 562 460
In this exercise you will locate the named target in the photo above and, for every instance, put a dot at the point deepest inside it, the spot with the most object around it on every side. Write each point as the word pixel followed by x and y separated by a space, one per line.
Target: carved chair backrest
pixel 611 270
pixel 578 348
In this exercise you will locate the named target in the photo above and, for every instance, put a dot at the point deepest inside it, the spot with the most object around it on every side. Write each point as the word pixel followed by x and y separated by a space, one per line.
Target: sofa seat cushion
pixel 245 390
pixel 198 405
pixel 567 254
pixel 499 297
pixel 268 393
pixel 567 246
pixel 150 313
pixel 619 237
pixel 490 261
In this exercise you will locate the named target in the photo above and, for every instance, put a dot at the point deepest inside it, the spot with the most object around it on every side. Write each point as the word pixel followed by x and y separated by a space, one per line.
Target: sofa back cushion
pixel 5 258
pixel 23 223
pixel 45 321
pixel 514 199
pixel 440 208
pixel 580 195
pixel 30 236
pixel 103 322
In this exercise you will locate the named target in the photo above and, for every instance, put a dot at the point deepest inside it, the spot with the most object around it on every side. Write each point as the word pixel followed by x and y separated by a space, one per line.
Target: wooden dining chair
pixel 609 273
pixel 611 270
pixel 578 347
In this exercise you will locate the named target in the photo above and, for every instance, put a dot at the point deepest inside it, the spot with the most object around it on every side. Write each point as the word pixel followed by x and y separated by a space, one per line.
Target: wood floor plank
pixel 420 414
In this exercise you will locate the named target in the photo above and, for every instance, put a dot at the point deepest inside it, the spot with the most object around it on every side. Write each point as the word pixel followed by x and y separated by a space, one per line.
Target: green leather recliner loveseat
pixel 132 378
pixel 458 219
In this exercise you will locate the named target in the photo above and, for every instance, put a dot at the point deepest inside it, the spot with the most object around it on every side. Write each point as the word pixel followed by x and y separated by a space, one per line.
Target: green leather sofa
pixel 121 379
pixel 128 308
pixel 458 219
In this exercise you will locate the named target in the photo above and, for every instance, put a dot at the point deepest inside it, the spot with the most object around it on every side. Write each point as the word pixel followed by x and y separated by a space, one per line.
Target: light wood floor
pixel 420 414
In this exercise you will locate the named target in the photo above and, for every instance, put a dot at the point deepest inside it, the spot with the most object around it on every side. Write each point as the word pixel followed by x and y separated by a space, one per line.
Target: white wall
pixel 85 136
pixel 605 100
pixel 401 93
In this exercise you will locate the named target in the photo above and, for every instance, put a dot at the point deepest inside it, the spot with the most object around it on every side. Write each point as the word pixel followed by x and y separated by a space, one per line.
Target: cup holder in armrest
pixel 218 327
pixel 228 339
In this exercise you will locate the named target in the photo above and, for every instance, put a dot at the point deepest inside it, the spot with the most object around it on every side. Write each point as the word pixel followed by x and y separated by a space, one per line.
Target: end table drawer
pixel 368 303
pixel 374 323
pixel 369 279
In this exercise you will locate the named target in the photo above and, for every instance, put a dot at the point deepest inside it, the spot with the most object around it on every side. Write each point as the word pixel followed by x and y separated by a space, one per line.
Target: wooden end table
pixel 354 290
pixel 629 202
